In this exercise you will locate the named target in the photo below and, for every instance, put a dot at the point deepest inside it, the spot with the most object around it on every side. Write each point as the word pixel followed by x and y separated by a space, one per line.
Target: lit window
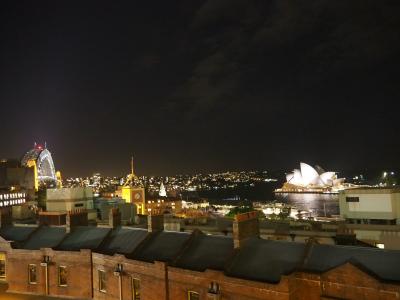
pixel 135 289
pixel 193 295
pixel 32 274
pixel 102 281
pixel 62 276
pixel 2 266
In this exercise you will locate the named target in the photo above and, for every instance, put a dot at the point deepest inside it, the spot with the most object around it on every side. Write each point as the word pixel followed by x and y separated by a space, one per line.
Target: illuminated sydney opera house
pixel 309 179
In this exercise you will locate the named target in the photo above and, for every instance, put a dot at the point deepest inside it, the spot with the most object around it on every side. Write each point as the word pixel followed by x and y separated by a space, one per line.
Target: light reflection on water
pixel 318 204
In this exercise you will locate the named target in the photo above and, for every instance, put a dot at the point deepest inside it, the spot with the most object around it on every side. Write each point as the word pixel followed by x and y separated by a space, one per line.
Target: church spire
pixel 132 176
pixel 132 170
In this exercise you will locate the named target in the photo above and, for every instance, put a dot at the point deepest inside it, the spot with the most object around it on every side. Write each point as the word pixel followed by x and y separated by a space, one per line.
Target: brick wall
pixel 304 286
pixel 161 283
pixel 114 217
pixel 348 281
pixel 78 264
pixel 76 218
pixel 181 281
pixel 155 222
pixel 246 225
pixel 152 278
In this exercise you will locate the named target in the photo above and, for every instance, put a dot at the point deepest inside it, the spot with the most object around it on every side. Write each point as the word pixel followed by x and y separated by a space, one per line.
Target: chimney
pixel 345 236
pixel 155 222
pixel 76 218
pixel 114 217
pixel 245 226
pixel 5 217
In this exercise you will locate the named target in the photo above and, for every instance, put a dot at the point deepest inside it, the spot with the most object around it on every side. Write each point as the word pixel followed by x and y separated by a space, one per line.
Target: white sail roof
pixel 308 175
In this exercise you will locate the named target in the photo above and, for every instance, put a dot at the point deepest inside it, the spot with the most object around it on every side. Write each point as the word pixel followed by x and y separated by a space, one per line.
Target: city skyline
pixel 201 86
pixel 278 172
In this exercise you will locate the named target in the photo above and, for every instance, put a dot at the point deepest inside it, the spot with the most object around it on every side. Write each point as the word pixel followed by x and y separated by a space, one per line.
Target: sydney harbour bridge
pixel 40 159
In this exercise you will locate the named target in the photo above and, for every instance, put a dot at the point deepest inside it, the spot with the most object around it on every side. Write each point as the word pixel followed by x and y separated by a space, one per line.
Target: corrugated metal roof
pixel 264 260
pixel 17 233
pixel 382 263
pixel 45 237
pixel 206 252
pixel 258 259
pixel 83 237
pixel 162 246
pixel 123 240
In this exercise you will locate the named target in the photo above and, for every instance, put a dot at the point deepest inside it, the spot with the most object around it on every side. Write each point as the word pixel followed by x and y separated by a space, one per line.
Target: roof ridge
pixel 150 236
pixel 359 265
pixel 62 240
pixel 73 231
pixel 230 260
pixel 104 240
pixel 195 233
pixel 307 252
pixel 23 243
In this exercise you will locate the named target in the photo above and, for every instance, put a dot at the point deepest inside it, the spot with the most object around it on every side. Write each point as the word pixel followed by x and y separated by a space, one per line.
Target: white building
pixel 308 178
pixel 67 199
pixel 373 215
pixel 370 205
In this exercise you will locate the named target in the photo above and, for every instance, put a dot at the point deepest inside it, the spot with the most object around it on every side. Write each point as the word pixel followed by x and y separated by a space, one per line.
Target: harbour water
pixel 319 205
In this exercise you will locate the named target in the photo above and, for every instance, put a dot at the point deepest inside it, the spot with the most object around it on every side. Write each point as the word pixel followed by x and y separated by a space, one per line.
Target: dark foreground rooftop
pixel 257 259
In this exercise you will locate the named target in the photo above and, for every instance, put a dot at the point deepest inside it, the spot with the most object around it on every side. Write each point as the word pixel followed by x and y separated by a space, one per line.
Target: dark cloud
pixel 206 84
pixel 293 42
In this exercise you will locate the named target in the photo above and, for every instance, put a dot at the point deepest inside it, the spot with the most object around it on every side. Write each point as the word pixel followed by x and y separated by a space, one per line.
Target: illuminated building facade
pixel 311 179
pixel 163 191
pixel 8 199
pixel 17 188
pixel 133 193
pixel 162 205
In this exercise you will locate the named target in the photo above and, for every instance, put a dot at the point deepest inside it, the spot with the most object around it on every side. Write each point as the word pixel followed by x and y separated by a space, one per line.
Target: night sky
pixel 201 85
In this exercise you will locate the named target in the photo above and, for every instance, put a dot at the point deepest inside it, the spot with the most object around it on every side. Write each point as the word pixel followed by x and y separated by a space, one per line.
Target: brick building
pixel 115 262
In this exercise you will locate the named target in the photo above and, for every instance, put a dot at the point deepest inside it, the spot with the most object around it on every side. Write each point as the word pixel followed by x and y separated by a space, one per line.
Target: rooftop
pixel 257 259
pixel 371 190
pixel 123 241
pixel 161 246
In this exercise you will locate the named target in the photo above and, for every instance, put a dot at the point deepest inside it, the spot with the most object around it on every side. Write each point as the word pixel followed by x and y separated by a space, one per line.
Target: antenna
pixel 45 145
pixel 132 173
